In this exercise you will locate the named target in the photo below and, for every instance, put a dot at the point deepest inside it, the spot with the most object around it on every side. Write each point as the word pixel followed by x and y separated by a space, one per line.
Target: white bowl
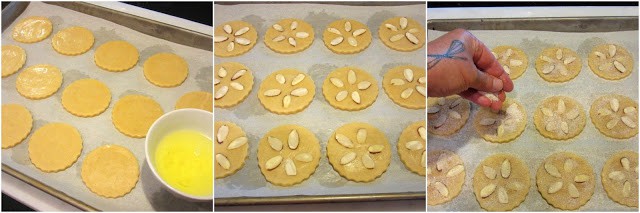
pixel 193 119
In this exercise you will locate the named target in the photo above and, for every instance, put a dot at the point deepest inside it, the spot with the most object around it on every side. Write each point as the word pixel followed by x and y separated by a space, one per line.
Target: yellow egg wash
pixel 184 159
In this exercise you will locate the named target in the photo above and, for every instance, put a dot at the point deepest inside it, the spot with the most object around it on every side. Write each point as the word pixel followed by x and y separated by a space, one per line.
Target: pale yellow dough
pixel 562 69
pixel 349 41
pixel 292 39
pixel 439 176
pixel 133 115
pixel 110 171
pixel 601 114
pixel 276 103
pixel 55 147
pixel 367 95
pixel 225 75
pixel 116 56
pixel 551 126
pixel 39 81
pixel 197 100
pixel 16 124
pixel 73 41
pixel 86 97
pixel 447 115
pixel 234 40
pixel 392 28
pixel 13 58
pixel 511 179
pixel 412 157
pixel 395 83
pixel 166 70
pixel 614 185
pixel 569 166
pixel 32 29
pixel 236 157
pixel 604 66
pixel 512 59
pixel 508 123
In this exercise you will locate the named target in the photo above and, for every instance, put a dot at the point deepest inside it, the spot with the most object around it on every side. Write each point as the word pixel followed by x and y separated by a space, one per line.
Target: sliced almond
pixel 292 41
pixel 358 32
pixel 361 136
pixel 302 35
pixel 414 30
pixel 367 161
pixel 442 189
pixel 515 63
pixel 408 74
pixel 275 143
pixel 414 145
pixel 364 85
pixel 236 85
pixel 564 126
pixel 581 178
pixel 396 37
pixel 568 60
pixel 515 186
pixel 304 157
pixel 552 170
pixel 548 69
pixel 569 164
pixel 280 79
pixel 336 82
pixel 227 29
pixel 336 41
pixel 222 72
pixel 626 189
pixel 341 95
pixel 221 92
pixel 300 92
pixel 455 171
pixel 238 74
pixel 603 112
pixel 344 140
pixel 294 139
pixel 546 59
pixel 294 25
pixel 500 130
pixel 630 110
pixel 375 149
pixel 442 162
pixel 421 90
pixel 297 79
pixel 334 30
pixel 600 55
pixel 351 77
pixel 397 82
pixel 487 121
pixel 286 101
pixel 278 28
pixel 223 131
pixel 279 38
pixel 627 121
pixel 406 93
pixel 216 81
pixel 555 187
pixel 355 96
pixel 625 163
pixel 422 132
pixel 507 69
pixel 241 31
pixel 616 175
pixel 561 107
pixel 217 39
pixel 614 104
pixel 352 41
pixel 505 169
pixel 243 41
pixel 612 123
pixel 503 197
pixel 412 38
pixel 455 115
pixel 440 121
pixel 422 80
pixel 223 161
pixel 563 70
pixel 230 47
pixel 487 190
pixel 391 27
pixel 290 167
pixel 347 26
pixel 403 23
pixel 619 66
pixel 489 172
pixel 273 162
pixel 612 50
pixel 272 92
pixel 573 191
pixel 574 113
pixel 559 54
pixel 238 142
pixel 552 126
pixel 348 158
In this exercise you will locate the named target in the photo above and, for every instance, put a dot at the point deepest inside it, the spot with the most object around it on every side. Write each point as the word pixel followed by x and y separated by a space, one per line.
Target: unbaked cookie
pixel 72 41
pixel 286 91
pixel 402 34
pixel 234 38
pixel 13 58
pixel 110 171
pixel 16 124
pixel 620 178
pixel 289 36
pixel 288 155
pixel 359 152
pixel 346 36
pixel 86 97
pixel 116 56
pixel 231 148
pixel 503 126
pixel 445 176
pixel 558 64
pixel 197 100
pixel 406 86
pixel 39 81
pixel 615 116
pixel 350 88
pixel 55 147
pixel 513 60
pixel 412 147
pixel 559 118
pixel 32 29
pixel 447 115
pixel 133 115
pixel 166 70
pixel 232 84
pixel 501 182
pixel 565 180
pixel 610 61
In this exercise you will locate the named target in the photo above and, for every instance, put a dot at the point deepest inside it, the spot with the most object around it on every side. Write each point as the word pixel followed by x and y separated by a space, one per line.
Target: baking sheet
pixel 530 90
pixel 96 131
pixel 320 117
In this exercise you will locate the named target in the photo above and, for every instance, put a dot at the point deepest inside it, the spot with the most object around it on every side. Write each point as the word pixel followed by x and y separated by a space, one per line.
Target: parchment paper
pixel 320 117
pixel 96 131
pixel 530 90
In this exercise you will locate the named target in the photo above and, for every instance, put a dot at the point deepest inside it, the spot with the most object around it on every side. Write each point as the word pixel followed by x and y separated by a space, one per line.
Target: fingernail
pixel 497 85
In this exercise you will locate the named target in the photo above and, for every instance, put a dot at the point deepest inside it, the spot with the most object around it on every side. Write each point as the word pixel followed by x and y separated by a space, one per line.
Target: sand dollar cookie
pixel 615 116
pixel 32 29
pixel 232 84
pixel 559 118
pixel 110 171
pixel 501 182
pixel 166 70
pixel 565 180
pixel 503 126
pixel 39 81
pixel 197 100
pixel 412 147
pixel 558 64
pixel 346 36
pixel 620 178
pixel 402 34
pixel 350 88
pixel 132 115
pixel 288 155
pixel 406 86
pixel 16 124
pixel 286 91
pixel 234 38
pixel 116 56
pixel 513 60
pixel 447 115
pixel 86 97
pixel 610 61
pixel 231 148
pixel 289 36
pixel 55 147
pixel 445 176
pixel 73 41
pixel 13 58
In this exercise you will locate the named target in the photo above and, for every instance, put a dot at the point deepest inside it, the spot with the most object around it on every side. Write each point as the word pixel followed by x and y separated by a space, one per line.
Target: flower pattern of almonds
pixel 504 58
pixel 361 138
pixel 626 118
pixel 222 73
pixel 444 111
pixel 568 166
pixel 221 137
pixel 233 37
pixel 558 64
pixel 352 80
pixel 500 191
pixel 508 124
pixel 557 120
pixel 417 145
pixel 620 176
pixel 277 145
pixel 351 36
pixel 408 78
pixel 442 164
pixel 286 100
pixel 611 61
pixel 407 35
pixel 292 39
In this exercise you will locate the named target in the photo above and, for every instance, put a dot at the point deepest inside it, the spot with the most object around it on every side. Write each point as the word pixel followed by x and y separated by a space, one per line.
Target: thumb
pixel 486 82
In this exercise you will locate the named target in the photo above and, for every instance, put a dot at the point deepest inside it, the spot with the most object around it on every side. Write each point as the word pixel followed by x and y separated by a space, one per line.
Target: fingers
pixel 475 97
pixel 486 62
pixel 486 82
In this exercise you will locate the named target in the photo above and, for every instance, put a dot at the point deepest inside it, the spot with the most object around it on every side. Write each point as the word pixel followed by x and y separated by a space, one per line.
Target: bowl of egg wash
pixel 179 152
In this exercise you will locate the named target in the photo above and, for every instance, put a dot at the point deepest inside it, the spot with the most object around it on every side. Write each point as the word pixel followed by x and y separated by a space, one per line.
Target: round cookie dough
pixel 72 41
pixel 13 58
pixel 402 34
pixel 288 155
pixel 501 182
pixel 503 126
pixel 513 60
pixel 346 36
pixel 445 176
pixel 116 56
pixel 565 180
pixel 286 86
pixel 406 86
pixel 133 115
pixel 447 115
pixel 350 88
pixel 620 178
pixel 39 81
pixel 231 148
pixel 289 36
pixel 558 64
pixel 232 84
pixel 55 147
pixel 361 158
pixel 86 97
pixel 603 58
pixel 16 124
pixel 32 29
pixel 412 147
pixel 197 100
pixel 166 70
pixel 110 171
pixel 234 38
pixel 615 116
pixel 559 118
